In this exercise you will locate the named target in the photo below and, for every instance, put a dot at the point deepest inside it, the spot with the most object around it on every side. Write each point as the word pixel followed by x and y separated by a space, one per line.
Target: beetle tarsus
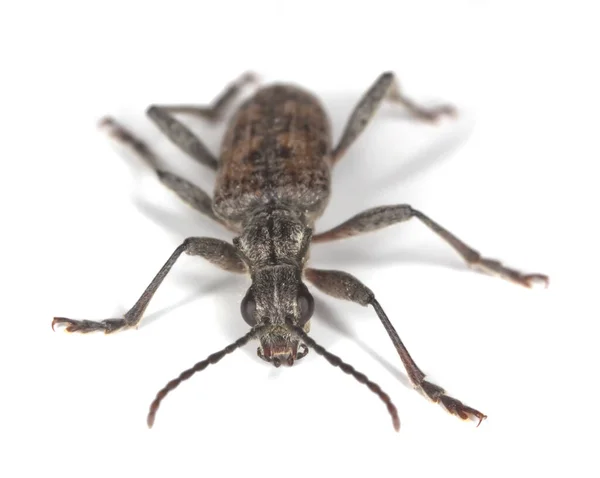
pixel 494 267
pixel 84 326
pixel 454 406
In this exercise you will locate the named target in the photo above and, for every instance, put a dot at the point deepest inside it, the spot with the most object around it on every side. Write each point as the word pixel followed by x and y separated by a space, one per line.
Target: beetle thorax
pixel 274 236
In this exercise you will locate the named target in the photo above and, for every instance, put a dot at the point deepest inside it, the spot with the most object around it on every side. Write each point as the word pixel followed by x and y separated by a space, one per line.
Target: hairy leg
pixel 217 109
pixel 181 135
pixel 218 252
pixel 188 192
pixel 380 217
pixel 385 88
pixel 345 286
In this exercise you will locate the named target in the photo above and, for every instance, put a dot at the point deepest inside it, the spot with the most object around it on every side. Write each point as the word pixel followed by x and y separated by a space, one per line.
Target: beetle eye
pixel 306 305
pixel 248 308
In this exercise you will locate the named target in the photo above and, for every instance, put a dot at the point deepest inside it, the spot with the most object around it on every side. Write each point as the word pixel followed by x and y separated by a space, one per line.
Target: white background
pixel 87 227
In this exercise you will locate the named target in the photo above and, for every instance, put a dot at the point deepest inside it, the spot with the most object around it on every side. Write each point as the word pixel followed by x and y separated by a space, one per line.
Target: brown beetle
pixel 273 183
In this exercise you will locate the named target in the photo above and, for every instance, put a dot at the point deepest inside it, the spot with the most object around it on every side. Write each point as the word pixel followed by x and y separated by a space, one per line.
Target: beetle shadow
pixel 181 224
pixel 224 284
pixel 327 316
pixel 429 156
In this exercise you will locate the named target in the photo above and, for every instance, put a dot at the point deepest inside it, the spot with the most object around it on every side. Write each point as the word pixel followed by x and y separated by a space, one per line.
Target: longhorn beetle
pixel 273 183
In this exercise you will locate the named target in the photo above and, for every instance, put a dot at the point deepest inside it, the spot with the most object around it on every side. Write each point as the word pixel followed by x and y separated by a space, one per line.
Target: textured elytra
pixel 277 148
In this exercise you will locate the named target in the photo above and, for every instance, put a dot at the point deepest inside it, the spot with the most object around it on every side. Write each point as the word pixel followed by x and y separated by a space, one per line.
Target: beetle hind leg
pixel 181 136
pixel 386 87
pixel 431 114
pixel 217 109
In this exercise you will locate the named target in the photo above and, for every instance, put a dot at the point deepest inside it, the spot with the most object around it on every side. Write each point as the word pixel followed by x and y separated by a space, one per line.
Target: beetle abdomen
pixel 277 149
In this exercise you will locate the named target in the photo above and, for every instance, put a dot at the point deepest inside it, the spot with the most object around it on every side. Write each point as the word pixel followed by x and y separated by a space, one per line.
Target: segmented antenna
pixel 211 359
pixel 349 369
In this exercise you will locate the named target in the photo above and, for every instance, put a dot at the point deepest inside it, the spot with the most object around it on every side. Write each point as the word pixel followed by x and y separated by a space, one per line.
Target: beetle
pixel 273 182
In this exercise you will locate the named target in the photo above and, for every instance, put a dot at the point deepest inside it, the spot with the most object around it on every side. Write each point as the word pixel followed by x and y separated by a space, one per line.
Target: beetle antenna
pixel 349 369
pixel 211 359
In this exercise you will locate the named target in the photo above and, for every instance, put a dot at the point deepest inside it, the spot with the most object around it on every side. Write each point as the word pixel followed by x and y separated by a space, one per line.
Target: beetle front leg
pixel 345 286
pixel 216 251
pixel 379 217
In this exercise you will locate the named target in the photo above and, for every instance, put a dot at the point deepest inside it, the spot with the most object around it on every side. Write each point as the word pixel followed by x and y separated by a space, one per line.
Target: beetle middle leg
pixel 385 87
pixel 188 192
pixel 379 217
pixel 345 286
pixel 218 252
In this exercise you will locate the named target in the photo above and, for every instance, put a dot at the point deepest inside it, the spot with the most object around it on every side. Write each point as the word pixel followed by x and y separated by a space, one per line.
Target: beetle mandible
pixel 273 183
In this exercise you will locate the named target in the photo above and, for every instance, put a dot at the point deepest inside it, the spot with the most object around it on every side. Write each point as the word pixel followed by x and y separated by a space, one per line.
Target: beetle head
pixel 278 293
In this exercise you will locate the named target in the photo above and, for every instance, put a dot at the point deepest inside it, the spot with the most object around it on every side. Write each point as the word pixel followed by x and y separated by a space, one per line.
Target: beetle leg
pixel 379 217
pixel 345 286
pixel 216 111
pixel 385 87
pixel 218 252
pixel 181 135
pixel 188 192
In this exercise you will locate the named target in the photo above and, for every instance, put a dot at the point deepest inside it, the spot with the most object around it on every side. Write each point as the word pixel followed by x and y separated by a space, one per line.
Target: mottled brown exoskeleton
pixel 273 183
